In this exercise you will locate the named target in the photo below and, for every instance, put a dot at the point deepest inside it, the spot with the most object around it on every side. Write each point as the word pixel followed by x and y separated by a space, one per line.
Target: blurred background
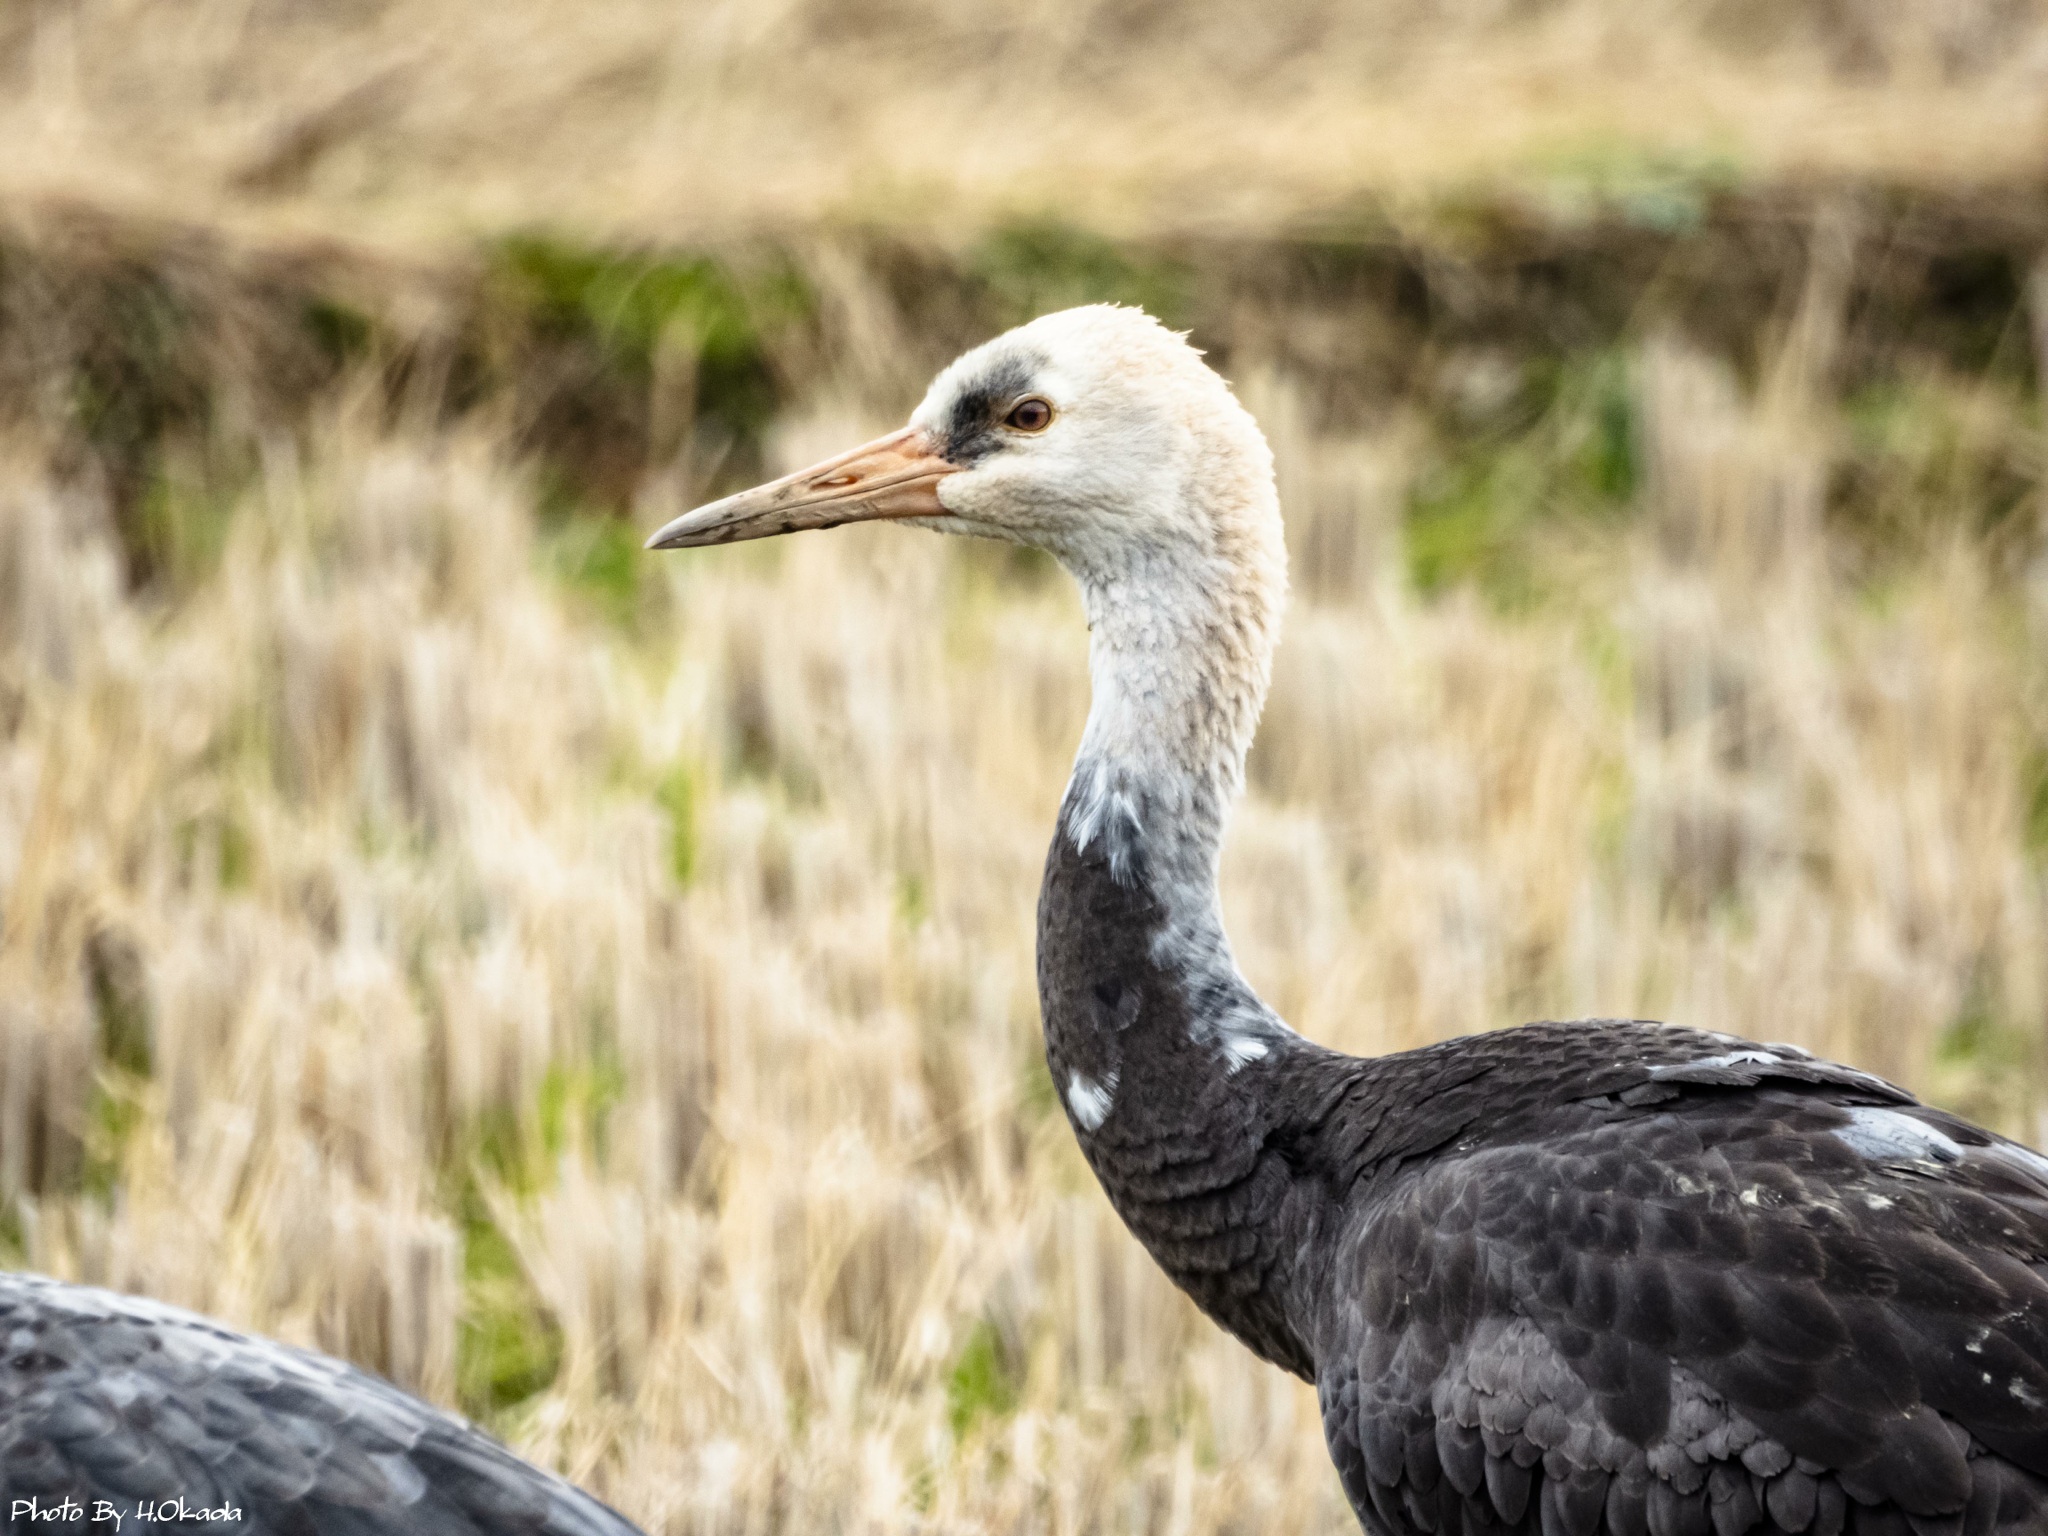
pixel 595 989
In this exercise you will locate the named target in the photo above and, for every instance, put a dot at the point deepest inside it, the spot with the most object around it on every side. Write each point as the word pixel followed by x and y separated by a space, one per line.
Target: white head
pixel 1100 436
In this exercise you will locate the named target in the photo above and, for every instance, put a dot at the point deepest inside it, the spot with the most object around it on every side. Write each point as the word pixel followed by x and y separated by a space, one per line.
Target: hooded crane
pixel 1571 1278
pixel 119 1414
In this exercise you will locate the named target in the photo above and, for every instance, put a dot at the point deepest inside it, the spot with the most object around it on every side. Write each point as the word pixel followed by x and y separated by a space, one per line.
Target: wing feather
pixel 1748 1293
pixel 108 1399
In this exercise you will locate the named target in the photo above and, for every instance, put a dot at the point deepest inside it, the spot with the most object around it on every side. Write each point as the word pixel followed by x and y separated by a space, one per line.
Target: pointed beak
pixel 891 478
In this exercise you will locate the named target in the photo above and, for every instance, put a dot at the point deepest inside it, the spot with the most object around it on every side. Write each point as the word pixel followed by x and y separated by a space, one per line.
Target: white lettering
pixel 178 1512
pixel 33 1508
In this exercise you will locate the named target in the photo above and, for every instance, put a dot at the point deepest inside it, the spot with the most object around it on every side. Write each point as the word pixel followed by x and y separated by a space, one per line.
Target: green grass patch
pixel 507 1347
pixel 118 984
pixel 676 794
pixel 342 332
pixel 182 525
pixel 1462 522
pixel 217 844
pixel 1565 445
pixel 633 302
pixel 631 307
pixel 1033 268
pixel 913 901
pixel 598 561
pixel 578 1101
pixel 572 1107
pixel 1930 453
pixel 111 1121
pixel 984 1381
pixel 1037 1098
pixel 2034 778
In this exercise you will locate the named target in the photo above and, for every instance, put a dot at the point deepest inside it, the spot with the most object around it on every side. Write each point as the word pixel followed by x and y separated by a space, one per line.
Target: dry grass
pixel 415 120
pixel 598 990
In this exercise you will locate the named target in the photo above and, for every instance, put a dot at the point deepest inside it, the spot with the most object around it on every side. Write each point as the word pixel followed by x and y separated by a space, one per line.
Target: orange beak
pixel 891 478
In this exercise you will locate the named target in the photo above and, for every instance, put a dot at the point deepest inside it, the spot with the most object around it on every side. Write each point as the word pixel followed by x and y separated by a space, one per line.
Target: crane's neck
pixel 1180 649
pixel 1180 1083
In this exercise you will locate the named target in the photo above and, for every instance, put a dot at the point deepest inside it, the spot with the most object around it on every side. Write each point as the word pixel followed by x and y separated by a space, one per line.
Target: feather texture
pixel 111 1406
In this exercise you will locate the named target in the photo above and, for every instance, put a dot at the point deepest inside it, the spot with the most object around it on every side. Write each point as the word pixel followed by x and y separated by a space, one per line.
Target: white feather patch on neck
pixel 1180 650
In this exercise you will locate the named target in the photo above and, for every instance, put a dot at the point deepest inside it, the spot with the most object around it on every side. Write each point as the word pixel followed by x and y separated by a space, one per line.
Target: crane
pixel 1597 1277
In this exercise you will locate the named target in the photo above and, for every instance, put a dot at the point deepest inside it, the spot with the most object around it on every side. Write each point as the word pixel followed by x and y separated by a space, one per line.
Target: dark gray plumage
pixel 112 1406
pixel 1577 1278
pixel 1568 1279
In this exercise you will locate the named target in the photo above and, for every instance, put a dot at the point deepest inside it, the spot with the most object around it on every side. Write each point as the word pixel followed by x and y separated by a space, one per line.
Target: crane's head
pixel 1095 433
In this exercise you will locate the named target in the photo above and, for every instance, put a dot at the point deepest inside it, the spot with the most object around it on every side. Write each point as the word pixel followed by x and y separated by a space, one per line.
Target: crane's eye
pixel 1030 414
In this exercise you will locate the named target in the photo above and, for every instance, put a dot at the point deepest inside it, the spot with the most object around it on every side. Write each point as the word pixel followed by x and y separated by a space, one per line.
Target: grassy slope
pixel 417 121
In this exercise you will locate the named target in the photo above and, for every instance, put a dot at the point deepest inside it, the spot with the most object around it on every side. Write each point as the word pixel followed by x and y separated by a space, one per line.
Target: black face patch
pixel 973 427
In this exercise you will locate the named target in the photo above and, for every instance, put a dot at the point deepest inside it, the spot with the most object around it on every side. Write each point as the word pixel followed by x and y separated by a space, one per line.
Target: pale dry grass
pixel 413 121
pixel 377 829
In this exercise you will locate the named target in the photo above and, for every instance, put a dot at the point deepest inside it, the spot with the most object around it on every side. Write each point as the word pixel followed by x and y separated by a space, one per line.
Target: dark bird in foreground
pixel 119 1415
pixel 1569 1278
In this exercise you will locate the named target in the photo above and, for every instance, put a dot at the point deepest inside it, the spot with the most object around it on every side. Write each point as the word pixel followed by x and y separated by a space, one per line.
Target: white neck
pixel 1180 652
